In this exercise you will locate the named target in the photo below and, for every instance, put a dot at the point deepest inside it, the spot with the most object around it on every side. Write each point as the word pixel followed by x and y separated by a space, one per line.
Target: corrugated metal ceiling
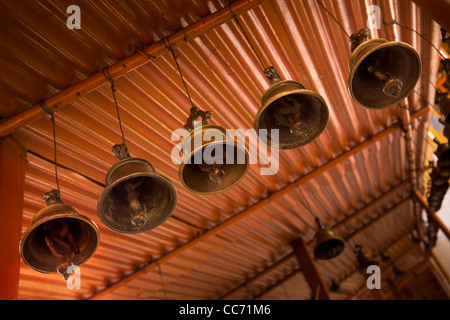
pixel 41 57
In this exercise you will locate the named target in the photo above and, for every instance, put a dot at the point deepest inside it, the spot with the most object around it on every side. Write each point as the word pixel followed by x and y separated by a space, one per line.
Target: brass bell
pixel 364 260
pixel 136 198
pixel 382 73
pixel 212 163
pixel 326 244
pixel 298 114
pixel 58 237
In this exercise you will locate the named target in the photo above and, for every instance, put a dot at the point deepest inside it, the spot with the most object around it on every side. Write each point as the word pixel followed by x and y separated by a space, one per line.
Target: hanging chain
pixel 54 149
pixel 162 280
pixel 320 3
pixel 246 37
pixel 113 89
pixel 395 22
pixel 169 47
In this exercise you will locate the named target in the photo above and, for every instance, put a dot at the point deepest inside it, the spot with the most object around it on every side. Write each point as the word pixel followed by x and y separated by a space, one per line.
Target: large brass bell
pixel 298 114
pixel 382 73
pixel 212 162
pixel 58 237
pixel 364 260
pixel 326 244
pixel 136 198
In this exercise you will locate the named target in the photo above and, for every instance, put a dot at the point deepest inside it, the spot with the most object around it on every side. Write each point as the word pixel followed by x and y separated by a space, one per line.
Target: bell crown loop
pixel 121 151
pixel 357 38
pixel 272 75
pixel 195 114
pixel 52 197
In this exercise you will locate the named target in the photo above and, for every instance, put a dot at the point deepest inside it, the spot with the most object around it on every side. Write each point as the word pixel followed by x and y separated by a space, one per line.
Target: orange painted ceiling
pixel 213 244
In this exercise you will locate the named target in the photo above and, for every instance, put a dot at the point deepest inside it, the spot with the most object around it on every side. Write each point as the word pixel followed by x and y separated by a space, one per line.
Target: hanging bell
pixel 136 198
pixel 298 114
pixel 58 237
pixel 364 260
pixel 327 244
pixel 382 73
pixel 212 162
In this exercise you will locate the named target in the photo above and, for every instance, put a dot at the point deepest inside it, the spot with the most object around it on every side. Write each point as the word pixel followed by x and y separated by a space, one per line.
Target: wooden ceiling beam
pixel 347 237
pixel 292 274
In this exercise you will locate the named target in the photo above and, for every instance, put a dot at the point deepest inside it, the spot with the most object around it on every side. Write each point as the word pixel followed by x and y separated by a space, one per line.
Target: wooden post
pixel 12 180
pixel 308 267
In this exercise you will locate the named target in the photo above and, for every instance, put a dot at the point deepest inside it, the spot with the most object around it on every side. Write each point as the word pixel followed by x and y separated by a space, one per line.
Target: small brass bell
pixel 382 73
pixel 364 260
pixel 58 237
pixel 210 165
pixel 327 244
pixel 300 115
pixel 136 198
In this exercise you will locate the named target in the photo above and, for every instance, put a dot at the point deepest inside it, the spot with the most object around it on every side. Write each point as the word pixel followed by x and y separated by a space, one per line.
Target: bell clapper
pixel 289 115
pixel 63 246
pixel 216 173
pixel 138 211
pixel 392 86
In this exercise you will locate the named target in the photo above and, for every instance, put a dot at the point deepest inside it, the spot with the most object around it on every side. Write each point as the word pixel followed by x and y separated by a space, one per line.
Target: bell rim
pixel 37 223
pixel 183 165
pixel 336 238
pixel 268 103
pixel 371 42
pixel 107 190
pixel 121 163
pixel 383 44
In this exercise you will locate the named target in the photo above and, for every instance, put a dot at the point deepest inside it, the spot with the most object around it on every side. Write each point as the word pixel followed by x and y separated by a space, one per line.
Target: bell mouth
pixel 33 248
pixel 160 197
pixel 196 180
pixel 327 245
pixel 308 119
pixel 398 59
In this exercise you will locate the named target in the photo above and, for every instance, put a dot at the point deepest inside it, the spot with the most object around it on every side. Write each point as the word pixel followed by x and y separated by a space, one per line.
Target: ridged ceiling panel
pixel 223 75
